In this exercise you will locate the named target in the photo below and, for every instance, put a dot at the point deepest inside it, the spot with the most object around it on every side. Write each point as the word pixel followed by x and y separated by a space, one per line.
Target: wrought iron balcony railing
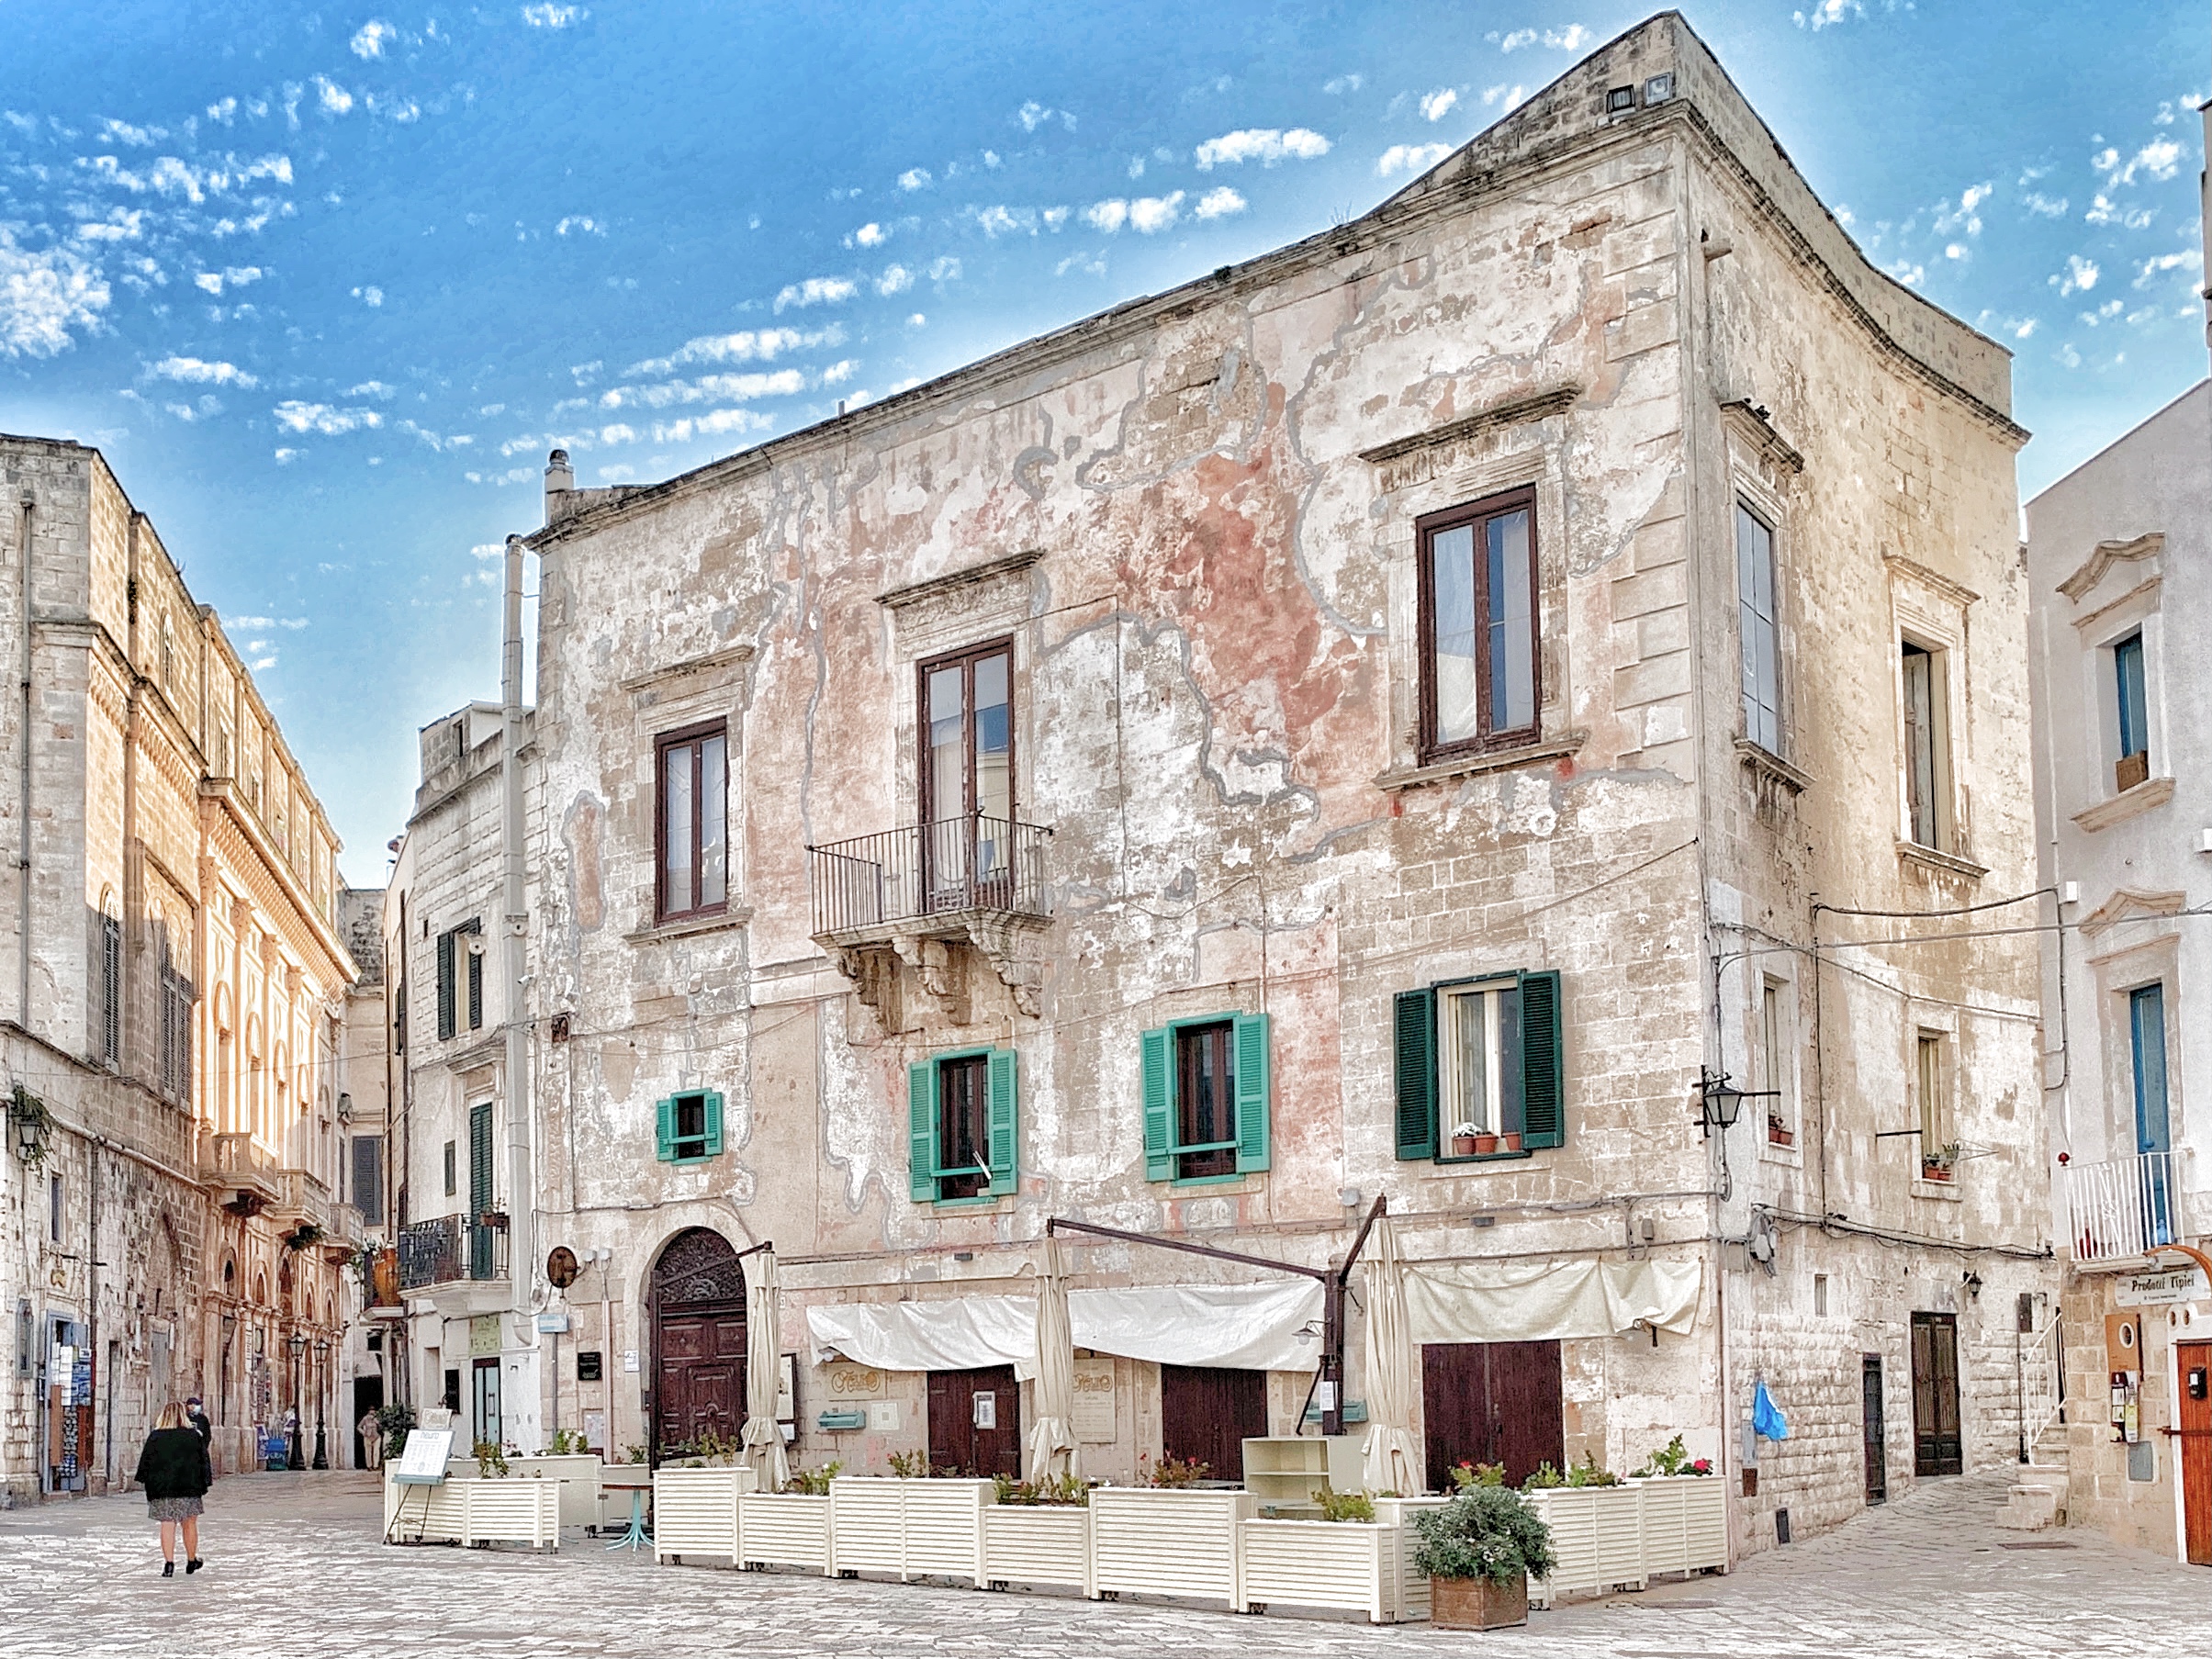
pixel 945 868
pixel 448 1250
pixel 2122 1207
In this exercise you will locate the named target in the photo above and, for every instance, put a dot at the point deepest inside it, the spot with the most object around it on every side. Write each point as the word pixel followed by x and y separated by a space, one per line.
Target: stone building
pixel 366 1066
pixel 1404 716
pixel 170 1223
pixel 2116 552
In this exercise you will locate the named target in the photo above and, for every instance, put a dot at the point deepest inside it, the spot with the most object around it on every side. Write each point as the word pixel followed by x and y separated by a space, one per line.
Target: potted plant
pixel 1479 1550
pixel 1509 1141
pixel 1777 1132
pixel 1938 1165
pixel 1462 1140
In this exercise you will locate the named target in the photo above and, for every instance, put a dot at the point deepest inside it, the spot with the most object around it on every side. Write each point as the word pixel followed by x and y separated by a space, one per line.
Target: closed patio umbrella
pixel 762 1438
pixel 1052 1439
pixel 1391 1458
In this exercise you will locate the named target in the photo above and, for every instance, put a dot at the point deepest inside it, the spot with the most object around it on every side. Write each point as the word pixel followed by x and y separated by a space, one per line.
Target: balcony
pixel 2116 1211
pixel 929 895
pixel 241 1173
pixel 460 1264
pixel 302 1200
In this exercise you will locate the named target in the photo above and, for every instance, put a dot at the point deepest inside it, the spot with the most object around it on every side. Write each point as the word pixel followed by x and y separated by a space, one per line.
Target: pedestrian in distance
pixel 195 1415
pixel 371 1430
pixel 174 1470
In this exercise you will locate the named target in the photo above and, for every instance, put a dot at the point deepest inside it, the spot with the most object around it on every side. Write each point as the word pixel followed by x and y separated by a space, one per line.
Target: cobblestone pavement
pixel 294 1568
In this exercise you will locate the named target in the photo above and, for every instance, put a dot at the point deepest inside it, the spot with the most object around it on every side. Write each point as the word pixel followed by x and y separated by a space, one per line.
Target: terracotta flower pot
pixel 1510 1141
pixel 1462 1146
pixel 1476 1604
pixel 1484 1143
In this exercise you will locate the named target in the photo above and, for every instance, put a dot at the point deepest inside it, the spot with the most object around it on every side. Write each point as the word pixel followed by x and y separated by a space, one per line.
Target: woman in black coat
pixel 174 1470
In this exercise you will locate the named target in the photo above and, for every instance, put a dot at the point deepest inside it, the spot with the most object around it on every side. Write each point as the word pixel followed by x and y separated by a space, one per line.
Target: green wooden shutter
pixel 1006 1129
pixel 921 1132
pixel 664 1133
pixel 479 1160
pixel 476 988
pixel 1414 1031
pixel 445 986
pixel 1542 1067
pixel 714 1126
pixel 1159 1104
pixel 1254 1088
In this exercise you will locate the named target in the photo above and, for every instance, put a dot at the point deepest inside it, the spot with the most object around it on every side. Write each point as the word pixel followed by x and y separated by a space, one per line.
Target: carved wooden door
pixel 698 1342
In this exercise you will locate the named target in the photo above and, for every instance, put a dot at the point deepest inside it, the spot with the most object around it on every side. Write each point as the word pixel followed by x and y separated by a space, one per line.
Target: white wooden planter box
pixel 1319 1564
pixel 695 1512
pixel 425 1514
pixel 1038 1543
pixel 914 1528
pixel 1412 1586
pixel 1148 1541
pixel 1685 1524
pixel 579 1474
pixel 784 1529
pixel 508 1510
pixel 1597 1539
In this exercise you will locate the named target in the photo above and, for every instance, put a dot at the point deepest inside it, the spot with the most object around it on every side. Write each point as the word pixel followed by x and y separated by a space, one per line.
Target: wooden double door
pixel 1937 1446
pixel 1208 1412
pixel 975 1421
pixel 699 1387
pixel 1492 1403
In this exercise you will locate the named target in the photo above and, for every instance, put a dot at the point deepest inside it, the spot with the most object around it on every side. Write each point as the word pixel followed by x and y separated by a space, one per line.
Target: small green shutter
pixel 1159 1104
pixel 1252 1091
pixel 714 1117
pixel 1005 1139
pixel 1415 1033
pixel 664 1116
pixel 921 1131
pixel 1542 1070
pixel 446 1017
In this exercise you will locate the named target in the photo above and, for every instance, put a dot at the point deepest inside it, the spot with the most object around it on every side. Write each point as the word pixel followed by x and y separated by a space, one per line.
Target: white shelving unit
pixel 1283 1470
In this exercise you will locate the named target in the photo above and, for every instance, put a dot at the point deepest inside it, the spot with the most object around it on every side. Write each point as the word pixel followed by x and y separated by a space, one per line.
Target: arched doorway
pixel 698 1311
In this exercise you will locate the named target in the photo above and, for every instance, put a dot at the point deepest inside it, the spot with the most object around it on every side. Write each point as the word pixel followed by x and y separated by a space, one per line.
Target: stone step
pixel 2036 1500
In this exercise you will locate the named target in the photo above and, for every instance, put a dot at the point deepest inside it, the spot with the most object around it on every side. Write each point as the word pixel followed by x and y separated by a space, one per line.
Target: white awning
pixel 1240 1327
pixel 1516 1302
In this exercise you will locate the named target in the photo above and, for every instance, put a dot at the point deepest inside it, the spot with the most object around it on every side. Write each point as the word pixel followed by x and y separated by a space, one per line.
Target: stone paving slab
pixel 296 1569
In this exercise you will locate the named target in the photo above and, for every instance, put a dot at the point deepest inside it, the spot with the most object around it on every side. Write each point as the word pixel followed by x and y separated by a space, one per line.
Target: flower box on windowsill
pixel 1932 1171
pixel 1780 1136
pixel 1497 1156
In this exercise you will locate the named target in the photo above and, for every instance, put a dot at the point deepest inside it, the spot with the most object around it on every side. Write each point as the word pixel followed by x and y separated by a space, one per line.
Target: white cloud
pixel 2186 259
pixel 581 224
pixel 261 624
pixel 236 277
pixel 1338 86
pixel 1955 251
pixel 122 224
pixel 553 17
pixel 999 220
pixel 113 131
pixel 2160 159
pixel 706 389
pixel 285 457
pixel 209 281
pixel 721 422
pixel 1054 217
pixel 1219 203
pixel 1146 214
pixel 838 373
pixel 1907 273
pixel 918 320
pixel 1570 38
pixel 817 291
pixel 617 433
pixel 1033 115
pixel 915 178
pixel 747 345
pixel 296 417
pixel 330 97
pixel 2044 206
pixel 1410 158
pixel 198 372
pixel 1108 216
pixel 368 40
pixel 45 297
pixel 372 388
pixel 945 268
pixel 1267 145
pixel 1503 96
pixel 371 296
pixel 1826 13
pixel 896 279
pixel 2080 276
pixel 2104 210
pixel 1435 106
pixel 871 235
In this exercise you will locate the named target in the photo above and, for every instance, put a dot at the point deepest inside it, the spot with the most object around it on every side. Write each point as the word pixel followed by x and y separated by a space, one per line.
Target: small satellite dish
pixel 560 1267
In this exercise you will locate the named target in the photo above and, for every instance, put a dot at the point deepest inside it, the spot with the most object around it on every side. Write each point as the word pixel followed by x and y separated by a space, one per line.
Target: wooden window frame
pixel 965 659
pixel 1002 1128
pixel 1208 1160
pixel 673 1146
pixel 692 737
pixel 1251 1098
pixel 1489 736
pixel 955 1180
pixel 1746 610
pixel 1417 1058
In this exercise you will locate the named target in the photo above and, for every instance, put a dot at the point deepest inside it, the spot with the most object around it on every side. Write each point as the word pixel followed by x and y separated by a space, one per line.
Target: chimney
pixel 560 480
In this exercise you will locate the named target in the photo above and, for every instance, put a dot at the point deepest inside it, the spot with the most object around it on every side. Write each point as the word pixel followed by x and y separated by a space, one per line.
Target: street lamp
pixel 323 1372
pixel 297 1344
pixel 1720 1102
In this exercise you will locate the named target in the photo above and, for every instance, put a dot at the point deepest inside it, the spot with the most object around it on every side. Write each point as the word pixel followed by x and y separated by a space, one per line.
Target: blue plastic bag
pixel 1765 1416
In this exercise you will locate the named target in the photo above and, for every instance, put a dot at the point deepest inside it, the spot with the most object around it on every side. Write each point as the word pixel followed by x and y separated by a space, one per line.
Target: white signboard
pixel 2165 1288
pixel 423 1460
pixel 883 1417
pixel 1093 1400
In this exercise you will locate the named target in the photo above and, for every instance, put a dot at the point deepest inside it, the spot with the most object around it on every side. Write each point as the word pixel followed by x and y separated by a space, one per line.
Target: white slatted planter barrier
pixel 945 1528
pixel 1149 1541
pixel 784 1529
pixel 1411 1601
pixel 507 1510
pixel 1038 1543
pixel 423 1514
pixel 1597 1539
pixel 695 1512
pixel 1317 1564
pixel 1685 1524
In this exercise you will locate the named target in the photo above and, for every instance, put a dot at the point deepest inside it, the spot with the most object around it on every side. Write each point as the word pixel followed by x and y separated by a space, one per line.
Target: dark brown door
pixel 700 1389
pixel 975 1421
pixel 1936 1444
pixel 1875 1431
pixel 1492 1403
pixel 2193 1444
pixel 1208 1412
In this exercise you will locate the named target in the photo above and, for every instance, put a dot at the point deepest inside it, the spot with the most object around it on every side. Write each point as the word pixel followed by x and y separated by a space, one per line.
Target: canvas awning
pixel 1521 1302
pixel 1240 1327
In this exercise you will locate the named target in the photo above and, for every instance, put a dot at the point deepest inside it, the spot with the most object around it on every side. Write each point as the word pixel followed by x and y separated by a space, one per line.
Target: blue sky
pixel 325 285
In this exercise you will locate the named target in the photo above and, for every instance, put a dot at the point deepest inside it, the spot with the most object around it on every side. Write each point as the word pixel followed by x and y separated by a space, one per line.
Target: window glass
pixel 1512 633
pixel 1205 1100
pixel 678 826
pixel 1928 1066
pixel 963 1127
pixel 1478 626
pixel 1481 1070
pixel 691 1137
pixel 2127 670
pixel 694 809
pixel 1774 1054
pixel 713 797
pixel 1453 553
pixel 1760 640
pixel 2146 1033
pixel 1923 771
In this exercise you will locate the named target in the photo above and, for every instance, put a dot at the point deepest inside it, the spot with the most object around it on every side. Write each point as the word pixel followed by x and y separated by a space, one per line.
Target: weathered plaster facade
pixel 1195 518
pixel 2115 552
pixel 172 982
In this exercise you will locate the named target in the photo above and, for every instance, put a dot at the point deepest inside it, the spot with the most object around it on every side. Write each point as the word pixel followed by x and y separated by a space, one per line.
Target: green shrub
pixel 491 1460
pixel 1056 1491
pixel 394 1422
pixel 1587 1473
pixel 910 1465
pixel 1543 1479
pixel 1485 1533
pixel 814 1483
pixel 1344 1505
pixel 1465 1475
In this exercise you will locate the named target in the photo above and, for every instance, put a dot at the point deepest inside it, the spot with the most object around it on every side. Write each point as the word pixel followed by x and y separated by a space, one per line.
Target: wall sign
pixel 1094 1417
pixel 2167 1287
pixel 842 1380
pixel 587 1362
pixel 484 1335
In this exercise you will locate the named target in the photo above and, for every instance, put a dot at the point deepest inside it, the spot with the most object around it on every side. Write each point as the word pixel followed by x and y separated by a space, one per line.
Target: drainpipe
pixel 520 1244
pixel 23 859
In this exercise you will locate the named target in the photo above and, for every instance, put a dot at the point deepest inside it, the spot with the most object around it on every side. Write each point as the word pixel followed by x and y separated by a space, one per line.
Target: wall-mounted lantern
pixel 28 1125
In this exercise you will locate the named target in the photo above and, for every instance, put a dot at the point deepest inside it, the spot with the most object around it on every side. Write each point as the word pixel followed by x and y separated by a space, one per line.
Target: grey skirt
pixel 173 1509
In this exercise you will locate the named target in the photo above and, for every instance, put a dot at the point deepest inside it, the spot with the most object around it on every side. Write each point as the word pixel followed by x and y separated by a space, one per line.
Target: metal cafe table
pixel 638 1479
